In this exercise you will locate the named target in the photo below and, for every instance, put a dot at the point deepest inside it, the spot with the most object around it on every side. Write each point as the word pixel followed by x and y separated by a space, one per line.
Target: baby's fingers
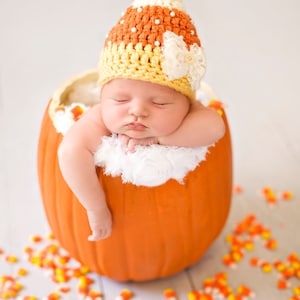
pixel 100 235
pixel 124 140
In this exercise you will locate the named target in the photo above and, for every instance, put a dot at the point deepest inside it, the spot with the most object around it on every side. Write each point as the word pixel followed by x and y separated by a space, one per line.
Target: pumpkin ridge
pixel 73 222
pixel 50 192
pixel 220 215
pixel 168 229
pixel 41 157
pixel 214 213
pixel 191 220
pixel 57 195
pixel 65 196
pixel 227 190
pixel 182 230
pixel 125 237
pixel 78 245
pixel 198 207
pixel 163 236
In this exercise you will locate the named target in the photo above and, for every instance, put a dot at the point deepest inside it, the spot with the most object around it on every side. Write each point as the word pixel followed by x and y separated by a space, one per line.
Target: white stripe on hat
pixel 164 3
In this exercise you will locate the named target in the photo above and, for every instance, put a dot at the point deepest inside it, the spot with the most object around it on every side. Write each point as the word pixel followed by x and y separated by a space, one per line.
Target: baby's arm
pixel 77 166
pixel 202 126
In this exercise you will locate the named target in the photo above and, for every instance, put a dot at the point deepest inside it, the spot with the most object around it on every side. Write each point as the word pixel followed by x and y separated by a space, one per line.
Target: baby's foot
pixel 100 223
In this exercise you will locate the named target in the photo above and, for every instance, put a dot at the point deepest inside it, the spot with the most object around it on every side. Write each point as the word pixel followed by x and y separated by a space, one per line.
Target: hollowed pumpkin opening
pixel 157 231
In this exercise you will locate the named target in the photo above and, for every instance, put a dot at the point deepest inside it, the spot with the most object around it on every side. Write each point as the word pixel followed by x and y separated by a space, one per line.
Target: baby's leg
pixel 100 223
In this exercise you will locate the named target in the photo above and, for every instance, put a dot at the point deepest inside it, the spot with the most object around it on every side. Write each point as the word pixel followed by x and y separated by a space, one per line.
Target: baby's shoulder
pixel 95 112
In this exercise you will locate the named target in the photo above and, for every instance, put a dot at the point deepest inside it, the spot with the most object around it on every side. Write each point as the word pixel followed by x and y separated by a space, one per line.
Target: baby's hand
pixel 100 223
pixel 129 143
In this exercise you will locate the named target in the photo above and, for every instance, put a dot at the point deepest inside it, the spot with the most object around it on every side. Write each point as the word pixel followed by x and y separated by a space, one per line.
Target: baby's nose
pixel 138 109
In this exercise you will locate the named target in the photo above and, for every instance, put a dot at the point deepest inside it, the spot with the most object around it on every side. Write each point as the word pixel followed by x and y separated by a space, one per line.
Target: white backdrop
pixel 252 50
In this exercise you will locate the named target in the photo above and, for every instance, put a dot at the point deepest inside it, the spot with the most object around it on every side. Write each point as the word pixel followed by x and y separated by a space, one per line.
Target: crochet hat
pixel 154 41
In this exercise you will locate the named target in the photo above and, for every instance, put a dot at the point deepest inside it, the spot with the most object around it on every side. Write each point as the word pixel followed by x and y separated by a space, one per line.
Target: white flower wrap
pixel 149 165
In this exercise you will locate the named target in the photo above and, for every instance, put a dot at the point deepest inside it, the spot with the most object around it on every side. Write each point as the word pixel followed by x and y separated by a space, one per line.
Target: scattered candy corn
pixel 170 294
pixel 269 195
pixel 77 111
pixel 36 239
pixel 125 295
pixel 217 105
pixel 11 259
pixel 22 272
pixel 237 189
pixel 286 195
pixel 9 287
pixel 242 240
pixel 271 198
pixel 217 288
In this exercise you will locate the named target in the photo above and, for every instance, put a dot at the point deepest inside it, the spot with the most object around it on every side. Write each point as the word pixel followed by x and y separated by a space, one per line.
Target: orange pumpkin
pixel 157 231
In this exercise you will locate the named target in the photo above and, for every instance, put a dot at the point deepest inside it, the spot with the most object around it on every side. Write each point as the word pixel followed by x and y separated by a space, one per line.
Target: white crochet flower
pixel 178 61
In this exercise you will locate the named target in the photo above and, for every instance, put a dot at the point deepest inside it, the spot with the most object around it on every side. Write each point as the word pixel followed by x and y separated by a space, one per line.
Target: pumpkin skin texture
pixel 157 231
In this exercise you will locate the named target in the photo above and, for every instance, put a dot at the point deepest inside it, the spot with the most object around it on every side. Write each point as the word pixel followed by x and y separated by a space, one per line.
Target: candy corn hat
pixel 155 41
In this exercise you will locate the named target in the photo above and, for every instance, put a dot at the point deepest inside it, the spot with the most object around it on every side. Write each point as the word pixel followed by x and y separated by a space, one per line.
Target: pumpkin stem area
pixel 83 89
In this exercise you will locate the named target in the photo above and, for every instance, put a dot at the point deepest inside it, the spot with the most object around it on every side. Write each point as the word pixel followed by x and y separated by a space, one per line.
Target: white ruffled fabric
pixel 148 165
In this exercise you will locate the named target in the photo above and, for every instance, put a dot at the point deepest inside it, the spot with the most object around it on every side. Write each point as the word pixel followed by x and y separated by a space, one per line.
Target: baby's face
pixel 142 109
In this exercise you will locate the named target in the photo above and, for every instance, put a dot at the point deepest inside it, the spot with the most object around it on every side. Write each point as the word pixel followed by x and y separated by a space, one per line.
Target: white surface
pixel 252 50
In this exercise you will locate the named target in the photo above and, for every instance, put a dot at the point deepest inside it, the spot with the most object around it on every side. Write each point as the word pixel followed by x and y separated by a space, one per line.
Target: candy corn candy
pixel 286 195
pixel 169 294
pixel 77 111
pixel 125 295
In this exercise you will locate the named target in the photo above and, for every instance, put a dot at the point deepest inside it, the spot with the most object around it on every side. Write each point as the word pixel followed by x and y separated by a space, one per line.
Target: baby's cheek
pixel 166 127
pixel 112 120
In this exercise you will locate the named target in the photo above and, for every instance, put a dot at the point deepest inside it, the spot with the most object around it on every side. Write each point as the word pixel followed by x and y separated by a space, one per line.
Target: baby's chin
pixel 137 136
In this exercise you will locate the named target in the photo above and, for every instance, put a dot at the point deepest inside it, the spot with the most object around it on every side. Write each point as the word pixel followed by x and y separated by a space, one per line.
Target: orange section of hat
pixel 147 24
